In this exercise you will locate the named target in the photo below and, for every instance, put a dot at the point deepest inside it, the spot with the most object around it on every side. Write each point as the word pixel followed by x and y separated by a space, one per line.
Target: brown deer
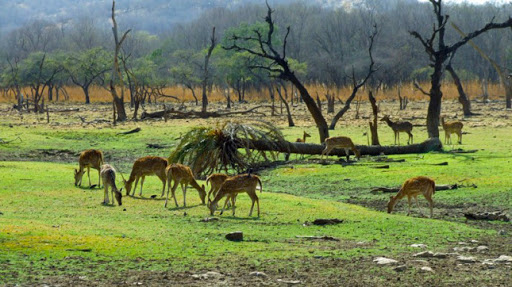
pixel 88 158
pixel 412 188
pixel 303 139
pixel 451 128
pixel 340 142
pixel 142 167
pixel 235 185
pixel 215 180
pixel 399 127
pixel 108 175
pixel 182 174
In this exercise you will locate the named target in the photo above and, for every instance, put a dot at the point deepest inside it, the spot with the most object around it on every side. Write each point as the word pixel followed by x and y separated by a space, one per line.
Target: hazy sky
pixel 474 1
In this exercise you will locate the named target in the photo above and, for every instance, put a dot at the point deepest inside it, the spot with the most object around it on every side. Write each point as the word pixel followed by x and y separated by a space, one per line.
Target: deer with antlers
pixel 451 128
pixel 108 175
pixel 91 158
pixel 412 188
pixel 182 174
pixel 399 127
pixel 340 142
pixel 142 167
pixel 235 185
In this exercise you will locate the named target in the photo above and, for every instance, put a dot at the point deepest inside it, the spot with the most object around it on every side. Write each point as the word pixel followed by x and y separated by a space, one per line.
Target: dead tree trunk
pixel 330 103
pixel 463 98
pixel 116 70
pixel 288 113
pixel 206 72
pixel 373 125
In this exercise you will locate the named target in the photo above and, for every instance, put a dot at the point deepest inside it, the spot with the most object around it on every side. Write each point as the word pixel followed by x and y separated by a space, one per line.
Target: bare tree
pixel 206 71
pixel 116 70
pixel 279 66
pixel 439 53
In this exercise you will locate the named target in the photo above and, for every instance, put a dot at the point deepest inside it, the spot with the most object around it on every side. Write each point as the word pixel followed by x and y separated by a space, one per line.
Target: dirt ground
pixel 317 271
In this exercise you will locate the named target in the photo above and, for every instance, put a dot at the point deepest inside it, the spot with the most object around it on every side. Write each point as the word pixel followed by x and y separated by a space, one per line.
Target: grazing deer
pixel 412 188
pixel 451 128
pixel 340 142
pixel 215 180
pixel 142 167
pixel 88 158
pixel 303 139
pixel 399 127
pixel 182 174
pixel 108 175
pixel 235 185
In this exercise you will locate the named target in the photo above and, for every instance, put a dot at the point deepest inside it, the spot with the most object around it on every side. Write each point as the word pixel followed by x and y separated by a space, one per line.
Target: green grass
pixel 47 220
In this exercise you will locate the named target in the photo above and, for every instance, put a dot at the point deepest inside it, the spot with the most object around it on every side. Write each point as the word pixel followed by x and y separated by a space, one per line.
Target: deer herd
pixel 222 185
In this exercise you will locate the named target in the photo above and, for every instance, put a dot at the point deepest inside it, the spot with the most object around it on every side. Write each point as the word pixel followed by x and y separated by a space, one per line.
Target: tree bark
pixel 288 113
pixel 373 125
pixel 463 98
pixel 206 75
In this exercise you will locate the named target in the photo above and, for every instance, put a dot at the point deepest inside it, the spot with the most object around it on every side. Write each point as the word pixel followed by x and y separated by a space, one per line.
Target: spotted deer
pixel 91 158
pixel 215 180
pixel 235 185
pixel 399 127
pixel 142 167
pixel 412 188
pixel 182 174
pixel 108 175
pixel 340 142
pixel 451 128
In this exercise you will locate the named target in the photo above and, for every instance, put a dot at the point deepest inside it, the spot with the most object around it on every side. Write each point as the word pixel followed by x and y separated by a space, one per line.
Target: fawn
pixel 142 167
pixel 399 127
pixel 451 128
pixel 108 175
pixel 182 174
pixel 303 139
pixel 340 142
pixel 88 158
pixel 234 185
pixel 412 188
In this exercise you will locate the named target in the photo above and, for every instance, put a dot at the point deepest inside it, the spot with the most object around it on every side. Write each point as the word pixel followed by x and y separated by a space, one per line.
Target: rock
pixel 327 221
pixel 235 236
pixel 400 268
pixel 289 281
pixel 258 274
pixel 207 275
pixel 482 249
pixel 502 232
pixel 473 241
pixel 426 269
pixel 466 259
pixel 463 249
pixel 384 261
pixel 503 259
pixel 419 245
pixel 424 254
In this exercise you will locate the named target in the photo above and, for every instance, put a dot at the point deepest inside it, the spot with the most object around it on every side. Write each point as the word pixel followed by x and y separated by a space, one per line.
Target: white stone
pixel 426 269
pixel 207 275
pixel 258 274
pixel 463 249
pixel 289 281
pixel 384 261
pixel 503 259
pixel 482 249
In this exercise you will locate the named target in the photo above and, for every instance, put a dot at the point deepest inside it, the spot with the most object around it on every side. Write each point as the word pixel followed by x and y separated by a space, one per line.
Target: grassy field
pixel 54 233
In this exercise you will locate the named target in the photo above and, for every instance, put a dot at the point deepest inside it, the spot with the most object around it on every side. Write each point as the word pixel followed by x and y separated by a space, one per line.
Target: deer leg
pixel 460 137
pixel 99 181
pixel 184 189
pixel 174 187
pixel 141 184
pixel 418 205
pixel 105 195
pixel 135 186
pixel 225 204
pixel 164 181
pixel 88 175
pixel 254 199
pixel 409 208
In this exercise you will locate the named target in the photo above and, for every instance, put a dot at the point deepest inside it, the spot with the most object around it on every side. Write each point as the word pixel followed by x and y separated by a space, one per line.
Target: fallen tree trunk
pixel 173 114
pixel 433 144
pixel 396 189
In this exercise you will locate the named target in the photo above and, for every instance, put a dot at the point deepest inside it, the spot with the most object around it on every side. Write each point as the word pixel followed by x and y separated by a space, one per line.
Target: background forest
pixel 45 47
